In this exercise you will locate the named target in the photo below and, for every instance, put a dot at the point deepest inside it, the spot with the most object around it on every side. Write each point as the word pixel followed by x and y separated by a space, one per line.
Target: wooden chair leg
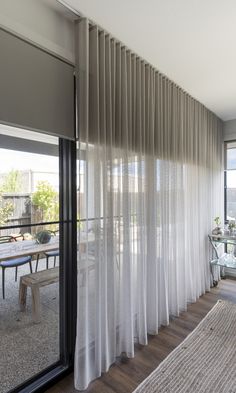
pixel 37 262
pixel 16 274
pixel 55 260
pixel 31 269
pixel 3 282
pixel 47 258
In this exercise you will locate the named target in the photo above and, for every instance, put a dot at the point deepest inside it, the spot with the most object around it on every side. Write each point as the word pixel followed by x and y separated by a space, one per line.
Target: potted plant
pixel 231 227
pixel 217 230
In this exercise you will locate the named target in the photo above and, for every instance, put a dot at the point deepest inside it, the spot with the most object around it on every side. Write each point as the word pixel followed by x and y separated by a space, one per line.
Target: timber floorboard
pixel 126 374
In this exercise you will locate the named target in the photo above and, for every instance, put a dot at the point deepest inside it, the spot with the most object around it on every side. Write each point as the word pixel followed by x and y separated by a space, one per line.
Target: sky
pixel 11 159
pixel 231 164
pixel 231 158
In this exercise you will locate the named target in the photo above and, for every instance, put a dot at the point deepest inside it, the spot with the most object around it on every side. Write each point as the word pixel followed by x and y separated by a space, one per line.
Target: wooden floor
pixel 126 374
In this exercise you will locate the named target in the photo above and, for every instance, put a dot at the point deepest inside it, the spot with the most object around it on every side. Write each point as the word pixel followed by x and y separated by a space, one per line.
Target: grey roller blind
pixel 36 88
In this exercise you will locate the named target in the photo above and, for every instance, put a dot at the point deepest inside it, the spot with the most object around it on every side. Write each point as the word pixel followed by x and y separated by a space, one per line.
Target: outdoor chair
pixel 13 262
pixel 48 255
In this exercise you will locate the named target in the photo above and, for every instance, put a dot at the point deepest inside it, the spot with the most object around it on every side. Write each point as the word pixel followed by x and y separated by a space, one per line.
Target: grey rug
pixel 205 362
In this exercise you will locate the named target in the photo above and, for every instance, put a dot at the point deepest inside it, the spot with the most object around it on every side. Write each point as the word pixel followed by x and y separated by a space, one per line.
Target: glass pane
pixel 231 203
pixel 231 179
pixel 29 249
pixel 81 187
pixel 231 157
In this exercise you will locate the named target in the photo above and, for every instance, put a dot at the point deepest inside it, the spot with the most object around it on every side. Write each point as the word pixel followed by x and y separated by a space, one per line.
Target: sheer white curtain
pixel 150 186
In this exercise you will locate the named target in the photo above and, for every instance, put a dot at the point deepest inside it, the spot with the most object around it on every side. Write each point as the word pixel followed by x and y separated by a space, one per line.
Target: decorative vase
pixel 217 231
pixel 43 237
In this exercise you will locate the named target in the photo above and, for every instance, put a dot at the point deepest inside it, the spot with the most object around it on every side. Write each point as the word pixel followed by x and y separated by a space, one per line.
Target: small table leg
pixel 35 304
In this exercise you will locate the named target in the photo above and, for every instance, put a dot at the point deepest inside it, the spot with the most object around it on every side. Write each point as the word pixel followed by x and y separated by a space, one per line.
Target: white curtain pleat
pixel 150 185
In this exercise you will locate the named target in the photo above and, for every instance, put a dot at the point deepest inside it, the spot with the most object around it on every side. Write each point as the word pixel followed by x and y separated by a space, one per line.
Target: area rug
pixel 205 362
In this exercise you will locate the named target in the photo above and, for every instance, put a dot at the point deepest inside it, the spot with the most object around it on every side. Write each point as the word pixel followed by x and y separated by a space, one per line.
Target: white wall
pixel 230 130
pixel 44 22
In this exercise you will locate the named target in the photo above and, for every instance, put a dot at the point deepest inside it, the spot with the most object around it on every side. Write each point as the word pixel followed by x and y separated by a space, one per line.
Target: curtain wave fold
pixel 150 179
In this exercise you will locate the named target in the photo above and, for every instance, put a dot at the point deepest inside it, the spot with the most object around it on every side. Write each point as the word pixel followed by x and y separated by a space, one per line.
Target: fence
pixel 21 214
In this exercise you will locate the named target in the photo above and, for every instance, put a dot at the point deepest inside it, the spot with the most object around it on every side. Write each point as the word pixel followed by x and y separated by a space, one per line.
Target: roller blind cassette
pixel 36 88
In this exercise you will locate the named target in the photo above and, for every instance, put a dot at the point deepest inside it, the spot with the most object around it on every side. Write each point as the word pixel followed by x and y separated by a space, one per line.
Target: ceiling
pixel 190 41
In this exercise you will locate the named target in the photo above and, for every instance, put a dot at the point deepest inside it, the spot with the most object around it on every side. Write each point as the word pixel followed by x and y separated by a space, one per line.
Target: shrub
pixel 45 201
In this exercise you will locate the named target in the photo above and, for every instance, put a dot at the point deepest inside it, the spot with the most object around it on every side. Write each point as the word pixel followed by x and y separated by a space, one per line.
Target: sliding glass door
pixel 34 256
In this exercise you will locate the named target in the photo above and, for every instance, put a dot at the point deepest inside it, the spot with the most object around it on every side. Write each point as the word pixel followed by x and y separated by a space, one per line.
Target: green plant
pixel 45 200
pixel 6 209
pixel 231 225
pixel 217 221
pixel 79 223
pixel 12 182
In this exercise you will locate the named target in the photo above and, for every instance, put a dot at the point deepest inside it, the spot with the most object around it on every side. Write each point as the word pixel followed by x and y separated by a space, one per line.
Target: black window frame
pixel 226 143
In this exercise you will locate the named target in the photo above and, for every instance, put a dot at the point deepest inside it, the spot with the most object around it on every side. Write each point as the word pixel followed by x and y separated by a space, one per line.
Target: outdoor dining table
pixel 32 247
pixel 26 247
